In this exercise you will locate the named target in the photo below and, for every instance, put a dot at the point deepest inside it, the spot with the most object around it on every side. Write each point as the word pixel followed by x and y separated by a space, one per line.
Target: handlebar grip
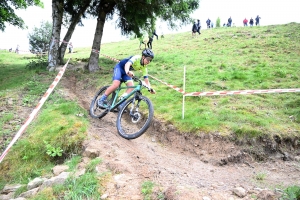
pixel 135 78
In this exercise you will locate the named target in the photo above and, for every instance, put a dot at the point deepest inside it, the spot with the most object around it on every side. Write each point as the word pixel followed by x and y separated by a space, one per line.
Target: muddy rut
pixel 181 165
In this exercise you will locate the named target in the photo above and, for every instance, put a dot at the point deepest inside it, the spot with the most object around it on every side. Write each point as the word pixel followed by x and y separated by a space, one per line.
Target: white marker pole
pixel 183 96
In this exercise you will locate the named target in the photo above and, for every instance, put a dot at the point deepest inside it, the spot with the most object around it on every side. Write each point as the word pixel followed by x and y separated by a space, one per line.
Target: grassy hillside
pixel 249 58
pixel 242 58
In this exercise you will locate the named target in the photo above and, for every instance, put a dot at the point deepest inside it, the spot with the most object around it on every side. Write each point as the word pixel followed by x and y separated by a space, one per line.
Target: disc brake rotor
pixel 136 117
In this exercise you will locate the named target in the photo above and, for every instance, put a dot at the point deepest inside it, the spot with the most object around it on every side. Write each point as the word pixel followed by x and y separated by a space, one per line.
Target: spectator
pixel 154 33
pixel 141 39
pixel 245 22
pixel 251 22
pixel 17 49
pixel 194 29
pixel 257 20
pixel 149 44
pixel 211 25
pixel 229 21
pixel 70 47
pixel 198 26
pixel 208 23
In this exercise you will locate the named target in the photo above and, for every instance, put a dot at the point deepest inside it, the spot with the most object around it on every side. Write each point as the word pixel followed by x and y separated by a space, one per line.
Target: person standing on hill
pixel 154 33
pixel 208 23
pixel 245 22
pixel 229 21
pixel 70 47
pixel 194 29
pixel 257 20
pixel 149 44
pixel 17 49
pixel 198 26
pixel 251 22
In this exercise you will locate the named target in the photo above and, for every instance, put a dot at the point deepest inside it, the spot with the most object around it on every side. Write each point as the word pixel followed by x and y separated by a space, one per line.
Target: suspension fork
pixel 135 98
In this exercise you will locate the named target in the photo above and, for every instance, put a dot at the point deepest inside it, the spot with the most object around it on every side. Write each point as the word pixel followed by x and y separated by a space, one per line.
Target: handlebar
pixel 136 79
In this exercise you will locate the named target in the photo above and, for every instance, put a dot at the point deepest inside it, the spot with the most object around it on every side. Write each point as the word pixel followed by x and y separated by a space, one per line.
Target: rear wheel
pixel 95 110
pixel 135 117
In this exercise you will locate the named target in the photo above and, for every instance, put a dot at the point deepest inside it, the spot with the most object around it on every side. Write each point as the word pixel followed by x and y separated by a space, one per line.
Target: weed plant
pixel 291 193
pixel 147 188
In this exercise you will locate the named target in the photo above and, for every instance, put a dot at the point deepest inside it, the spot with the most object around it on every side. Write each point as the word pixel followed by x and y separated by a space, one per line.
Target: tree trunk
pixel 75 20
pixel 57 15
pixel 93 64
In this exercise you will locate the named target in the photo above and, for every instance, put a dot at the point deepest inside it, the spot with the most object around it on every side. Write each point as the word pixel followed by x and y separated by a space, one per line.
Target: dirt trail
pixel 182 166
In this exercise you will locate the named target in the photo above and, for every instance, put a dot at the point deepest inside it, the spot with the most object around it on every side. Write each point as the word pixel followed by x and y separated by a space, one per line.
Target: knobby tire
pixel 131 127
pixel 95 111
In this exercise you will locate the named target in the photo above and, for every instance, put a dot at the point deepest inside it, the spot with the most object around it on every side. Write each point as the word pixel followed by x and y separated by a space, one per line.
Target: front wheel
pixel 135 117
pixel 95 110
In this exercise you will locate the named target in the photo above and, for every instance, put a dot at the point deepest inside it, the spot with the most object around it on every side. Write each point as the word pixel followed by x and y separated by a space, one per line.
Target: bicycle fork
pixel 134 110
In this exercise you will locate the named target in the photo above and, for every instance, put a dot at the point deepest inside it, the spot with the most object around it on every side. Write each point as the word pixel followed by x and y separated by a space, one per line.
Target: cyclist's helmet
pixel 148 53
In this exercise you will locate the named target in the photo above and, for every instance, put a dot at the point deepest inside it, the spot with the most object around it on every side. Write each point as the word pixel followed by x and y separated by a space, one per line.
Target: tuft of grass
pixel 91 167
pixel 87 186
pixel 147 188
pixel 73 162
pixel 260 176
pixel 291 193
pixel 84 187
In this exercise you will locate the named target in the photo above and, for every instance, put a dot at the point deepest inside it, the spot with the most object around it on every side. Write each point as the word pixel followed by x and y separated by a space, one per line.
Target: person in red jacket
pixel 245 21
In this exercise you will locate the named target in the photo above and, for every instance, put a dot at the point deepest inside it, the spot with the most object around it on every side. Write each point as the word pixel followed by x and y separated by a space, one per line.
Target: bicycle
pixel 135 117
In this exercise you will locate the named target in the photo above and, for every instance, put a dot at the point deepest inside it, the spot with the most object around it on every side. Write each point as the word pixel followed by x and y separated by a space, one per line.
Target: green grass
pixel 291 193
pixel 242 58
pixel 86 186
pixel 13 71
pixel 59 126
pixel 147 188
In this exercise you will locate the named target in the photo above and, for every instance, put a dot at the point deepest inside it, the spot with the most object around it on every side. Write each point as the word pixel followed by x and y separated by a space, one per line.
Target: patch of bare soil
pixel 184 166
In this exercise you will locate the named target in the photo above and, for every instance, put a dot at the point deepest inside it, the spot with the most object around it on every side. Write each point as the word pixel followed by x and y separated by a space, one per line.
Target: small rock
pixel 239 191
pixel 59 169
pixel 104 196
pixel 267 195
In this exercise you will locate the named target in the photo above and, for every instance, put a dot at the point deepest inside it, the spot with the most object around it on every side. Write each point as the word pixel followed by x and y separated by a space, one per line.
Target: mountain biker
pixel 124 71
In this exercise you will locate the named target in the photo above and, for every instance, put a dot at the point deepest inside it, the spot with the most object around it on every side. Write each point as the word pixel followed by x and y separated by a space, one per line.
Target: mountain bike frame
pixel 134 116
pixel 136 88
